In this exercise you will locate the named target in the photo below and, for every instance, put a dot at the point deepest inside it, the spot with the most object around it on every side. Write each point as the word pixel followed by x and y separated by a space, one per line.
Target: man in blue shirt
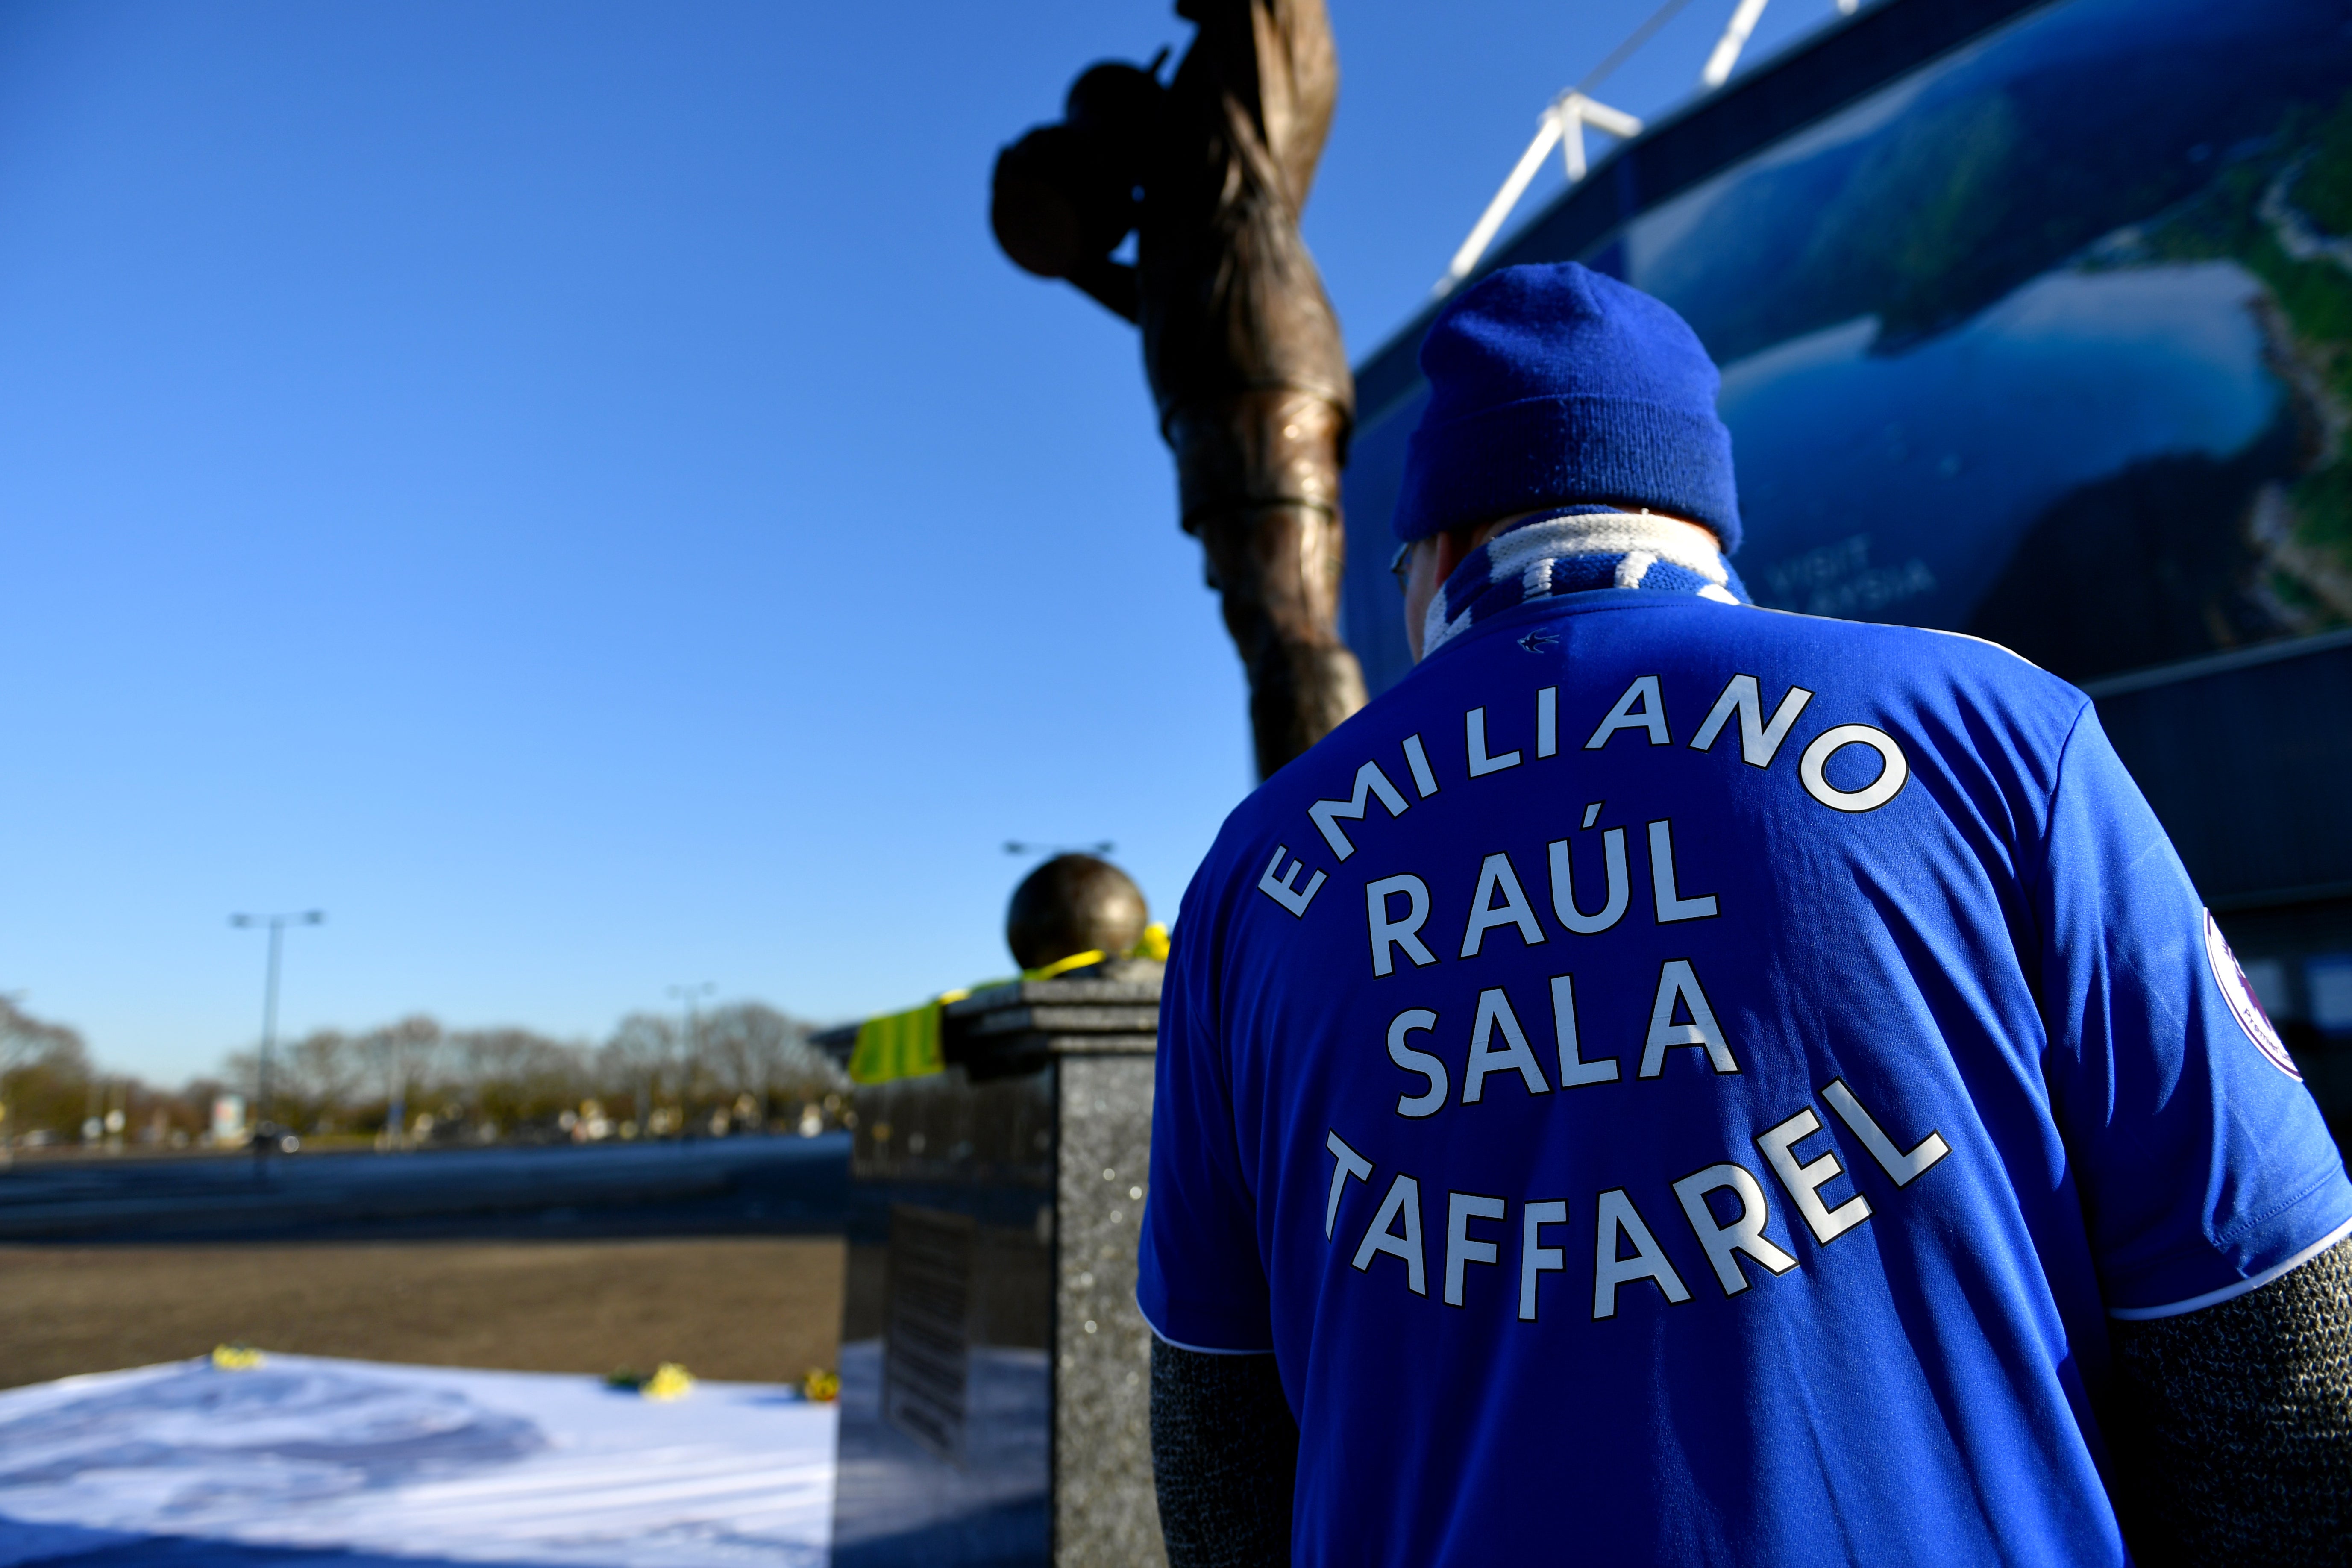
pixel 1674 1081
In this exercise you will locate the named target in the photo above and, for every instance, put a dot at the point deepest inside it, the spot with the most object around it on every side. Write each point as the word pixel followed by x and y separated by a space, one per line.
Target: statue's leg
pixel 1263 469
pixel 1298 84
pixel 1245 356
pixel 1276 59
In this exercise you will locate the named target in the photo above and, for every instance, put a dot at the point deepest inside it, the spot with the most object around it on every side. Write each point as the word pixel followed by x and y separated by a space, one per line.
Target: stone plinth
pixel 995 1372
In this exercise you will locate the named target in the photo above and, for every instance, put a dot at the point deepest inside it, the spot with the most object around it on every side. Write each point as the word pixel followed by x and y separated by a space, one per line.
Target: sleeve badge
pixel 2243 1004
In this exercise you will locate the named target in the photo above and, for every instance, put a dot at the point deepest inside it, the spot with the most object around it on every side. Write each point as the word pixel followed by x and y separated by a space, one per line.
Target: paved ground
pixel 755 1309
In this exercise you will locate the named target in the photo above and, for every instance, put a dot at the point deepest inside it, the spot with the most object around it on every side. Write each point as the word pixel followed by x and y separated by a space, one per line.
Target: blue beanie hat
pixel 1554 385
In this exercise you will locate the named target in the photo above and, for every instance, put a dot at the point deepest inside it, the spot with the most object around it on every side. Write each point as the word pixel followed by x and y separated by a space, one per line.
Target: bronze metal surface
pixel 1072 904
pixel 1240 343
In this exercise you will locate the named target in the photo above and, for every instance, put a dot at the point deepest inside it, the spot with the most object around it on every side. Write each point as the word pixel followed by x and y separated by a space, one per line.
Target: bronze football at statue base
pixel 1074 904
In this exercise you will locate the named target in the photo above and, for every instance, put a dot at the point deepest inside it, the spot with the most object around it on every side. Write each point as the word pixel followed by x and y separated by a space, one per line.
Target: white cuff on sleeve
pixel 2230 1292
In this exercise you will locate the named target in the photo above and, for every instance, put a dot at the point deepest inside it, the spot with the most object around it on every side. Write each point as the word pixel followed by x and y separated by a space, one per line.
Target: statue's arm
pixel 2233 1425
pixel 1224 1456
pixel 1111 284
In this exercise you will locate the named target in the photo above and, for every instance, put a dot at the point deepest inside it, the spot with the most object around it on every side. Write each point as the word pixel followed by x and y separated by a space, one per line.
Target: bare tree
pixel 642 1059
pixel 741 1046
pixel 514 1079
pixel 318 1074
pixel 45 1073
pixel 24 1037
pixel 746 1062
pixel 400 1055
pixel 751 1050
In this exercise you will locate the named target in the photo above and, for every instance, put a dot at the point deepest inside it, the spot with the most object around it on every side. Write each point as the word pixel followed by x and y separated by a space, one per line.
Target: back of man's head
pixel 1555 385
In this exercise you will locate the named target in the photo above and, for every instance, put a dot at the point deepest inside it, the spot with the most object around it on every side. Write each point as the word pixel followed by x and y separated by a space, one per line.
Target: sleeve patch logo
pixel 2242 1001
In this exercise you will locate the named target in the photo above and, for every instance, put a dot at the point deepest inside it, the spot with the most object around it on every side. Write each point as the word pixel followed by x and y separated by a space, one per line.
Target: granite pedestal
pixel 995 1372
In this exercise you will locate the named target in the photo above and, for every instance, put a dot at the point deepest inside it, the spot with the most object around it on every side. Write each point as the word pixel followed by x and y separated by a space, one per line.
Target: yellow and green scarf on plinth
pixel 907 1045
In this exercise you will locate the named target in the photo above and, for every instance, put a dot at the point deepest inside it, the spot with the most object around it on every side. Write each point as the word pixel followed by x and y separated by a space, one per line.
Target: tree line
pixel 743 1067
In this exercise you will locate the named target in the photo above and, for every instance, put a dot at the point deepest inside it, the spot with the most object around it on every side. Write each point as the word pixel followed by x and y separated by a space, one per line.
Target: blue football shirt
pixel 1679 1082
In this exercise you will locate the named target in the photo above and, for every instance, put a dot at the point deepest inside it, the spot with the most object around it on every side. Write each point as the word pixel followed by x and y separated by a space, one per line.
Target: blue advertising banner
pixel 2048 339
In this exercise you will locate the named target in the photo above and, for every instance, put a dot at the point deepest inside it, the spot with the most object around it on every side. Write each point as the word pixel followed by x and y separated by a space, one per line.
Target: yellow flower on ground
pixel 670 1381
pixel 236 1358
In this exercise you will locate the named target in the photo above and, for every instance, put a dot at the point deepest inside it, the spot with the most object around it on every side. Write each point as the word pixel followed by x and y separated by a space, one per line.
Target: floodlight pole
pixel 1562 122
pixel 1565 120
pixel 277 924
pixel 1734 39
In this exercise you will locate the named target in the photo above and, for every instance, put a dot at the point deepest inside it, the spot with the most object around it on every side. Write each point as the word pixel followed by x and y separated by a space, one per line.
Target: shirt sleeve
pixel 2202 1164
pixel 1198 1278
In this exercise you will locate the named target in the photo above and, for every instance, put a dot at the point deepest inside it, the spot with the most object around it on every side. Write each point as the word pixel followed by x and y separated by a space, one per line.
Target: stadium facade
pixel 2036 324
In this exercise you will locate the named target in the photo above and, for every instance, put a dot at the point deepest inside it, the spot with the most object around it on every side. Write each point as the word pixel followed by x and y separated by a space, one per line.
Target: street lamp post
pixel 264 1133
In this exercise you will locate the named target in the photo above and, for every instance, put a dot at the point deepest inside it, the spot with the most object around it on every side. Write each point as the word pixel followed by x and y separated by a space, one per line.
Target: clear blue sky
pixel 574 492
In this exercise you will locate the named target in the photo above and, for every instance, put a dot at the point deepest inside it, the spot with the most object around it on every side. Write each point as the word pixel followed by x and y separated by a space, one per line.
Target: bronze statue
pixel 1209 170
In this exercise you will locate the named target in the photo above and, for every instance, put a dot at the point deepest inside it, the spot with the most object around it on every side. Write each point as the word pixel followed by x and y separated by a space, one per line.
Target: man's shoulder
pixel 1594 653
pixel 1970 682
pixel 1703 631
pixel 1959 654
pixel 1591 641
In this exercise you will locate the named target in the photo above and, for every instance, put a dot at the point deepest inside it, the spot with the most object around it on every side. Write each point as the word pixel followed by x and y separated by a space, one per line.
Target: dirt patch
pixel 760 1310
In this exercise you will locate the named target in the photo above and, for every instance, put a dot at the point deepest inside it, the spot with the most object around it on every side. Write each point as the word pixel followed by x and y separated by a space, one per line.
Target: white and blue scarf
pixel 1571 551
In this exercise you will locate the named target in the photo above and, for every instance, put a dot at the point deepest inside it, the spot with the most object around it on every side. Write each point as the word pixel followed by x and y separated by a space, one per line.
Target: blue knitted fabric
pixel 1554 385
